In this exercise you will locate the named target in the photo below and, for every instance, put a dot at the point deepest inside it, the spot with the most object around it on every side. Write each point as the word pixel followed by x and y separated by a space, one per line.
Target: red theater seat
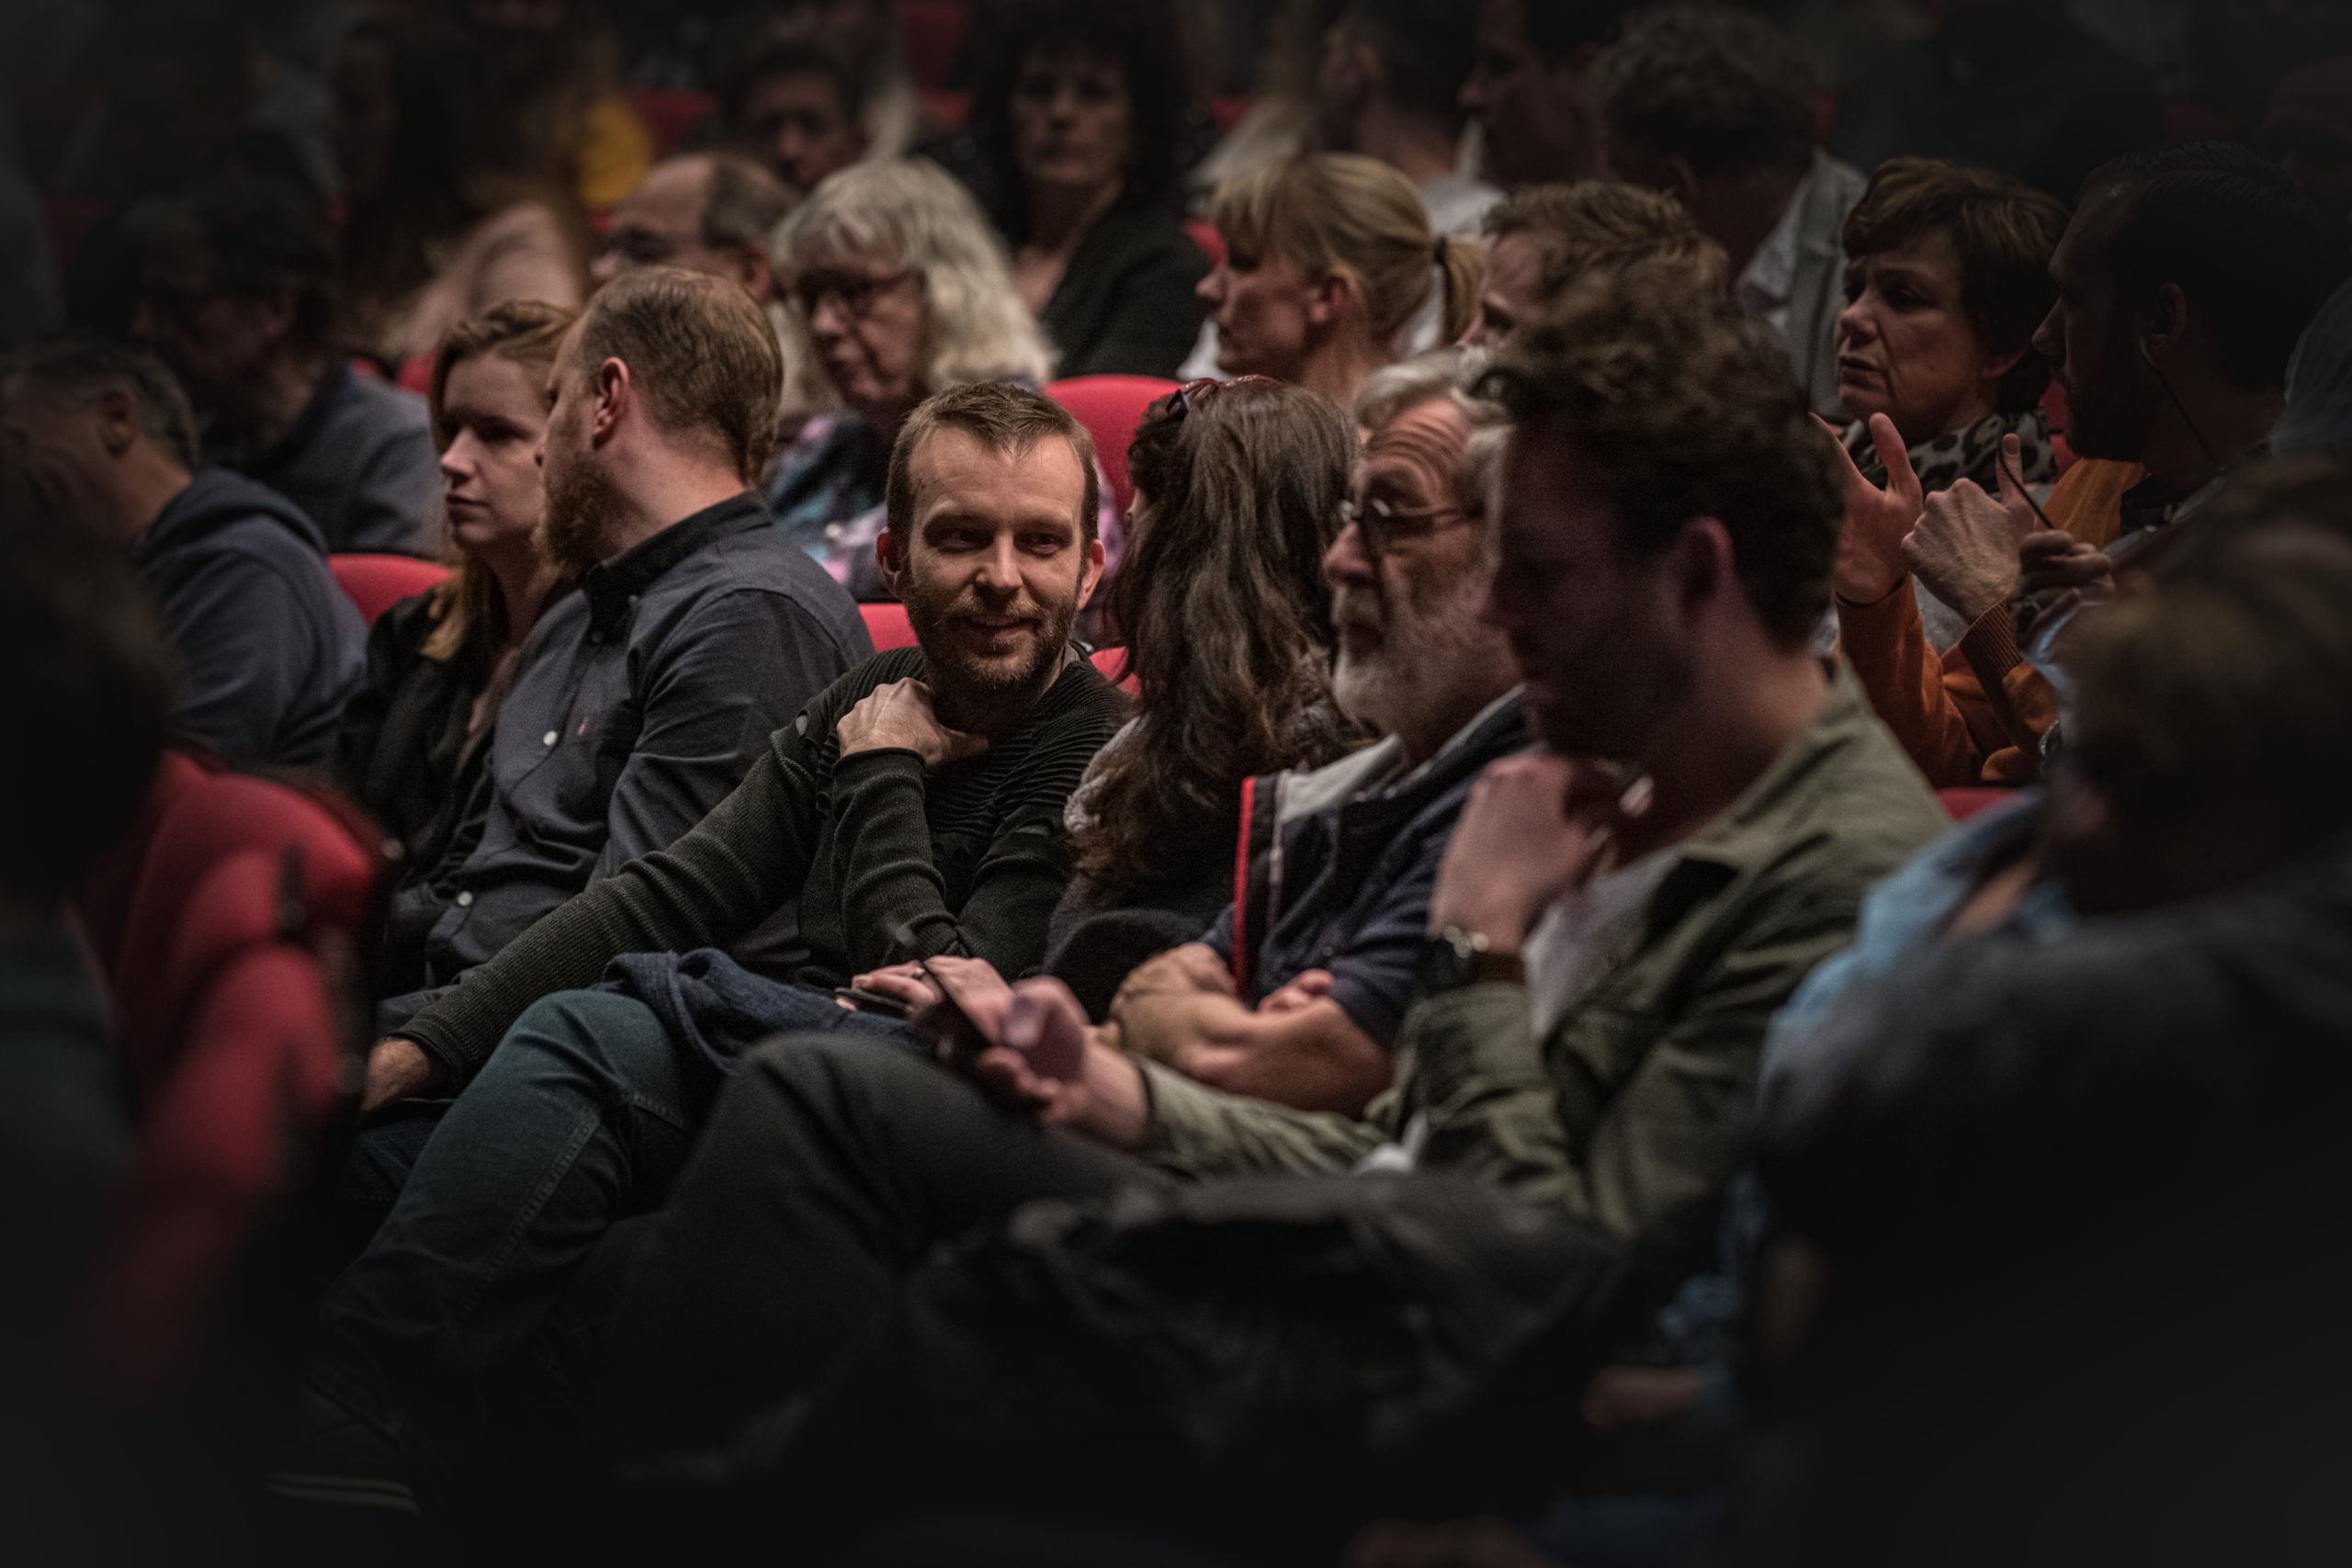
pixel 1111 407
pixel 1964 804
pixel 1203 234
pixel 889 627
pixel 375 583
pixel 219 922
pixel 1113 663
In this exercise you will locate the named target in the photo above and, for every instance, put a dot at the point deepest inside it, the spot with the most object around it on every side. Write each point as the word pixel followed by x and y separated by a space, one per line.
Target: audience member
pixel 1542 238
pixel 553 72
pixel 1947 278
pixel 1391 87
pixel 2309 130
pixel 914 808
pixel 793 99
pixel 711 212
pixel 440 664
pixel 2023 1137
pixel 2183 281
pixel 1529 92
pixel 1714 104
pixel 1668 525
pixel 268 648
pixel 237 297
pixel 1328 259
pixel 900 291
pixel 867 33
pixel 1077 114
pixel 83 673
pixel 641 700
pixel 439 232
pixel 1241 488
pixel 2008 84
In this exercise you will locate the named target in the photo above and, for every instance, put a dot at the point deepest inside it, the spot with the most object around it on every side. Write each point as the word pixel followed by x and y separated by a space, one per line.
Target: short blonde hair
pixel 913 212
pixel 1345 213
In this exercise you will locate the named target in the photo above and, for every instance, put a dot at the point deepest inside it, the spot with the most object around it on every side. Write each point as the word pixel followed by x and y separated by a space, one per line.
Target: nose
pixel 1346 563
pixel 2050 337
pixel 1853 321
pixel 458 461
pixel 1473 95
pixel 999 569
pixel 1212 287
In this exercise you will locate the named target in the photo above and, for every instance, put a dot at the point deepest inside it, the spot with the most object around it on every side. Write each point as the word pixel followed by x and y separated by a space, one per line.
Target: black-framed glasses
pixel 857 294
pixel 1384 524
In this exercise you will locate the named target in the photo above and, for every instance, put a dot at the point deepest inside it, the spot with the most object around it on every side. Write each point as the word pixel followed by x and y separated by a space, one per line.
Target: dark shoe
pixel 337 1460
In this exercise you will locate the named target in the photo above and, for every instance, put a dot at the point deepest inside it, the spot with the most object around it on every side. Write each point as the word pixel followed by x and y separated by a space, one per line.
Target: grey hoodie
pixel 269 648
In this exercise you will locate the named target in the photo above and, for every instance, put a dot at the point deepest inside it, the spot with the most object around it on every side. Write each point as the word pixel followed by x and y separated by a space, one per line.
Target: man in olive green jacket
pixel 1715 803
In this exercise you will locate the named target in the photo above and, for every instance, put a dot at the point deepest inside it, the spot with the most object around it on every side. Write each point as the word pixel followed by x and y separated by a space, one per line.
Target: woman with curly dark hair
pixel 1239 486
pixel 1078 113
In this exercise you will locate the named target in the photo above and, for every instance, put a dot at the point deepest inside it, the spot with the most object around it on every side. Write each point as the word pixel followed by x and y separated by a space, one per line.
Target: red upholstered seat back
pixel 221 922
pixel 375 583
pixel 1111 407
pixel 889 627
pixel 1113 663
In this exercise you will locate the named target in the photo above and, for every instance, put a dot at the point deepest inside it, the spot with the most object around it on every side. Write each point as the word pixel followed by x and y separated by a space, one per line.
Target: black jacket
pixel 269 648
pixel 1125 305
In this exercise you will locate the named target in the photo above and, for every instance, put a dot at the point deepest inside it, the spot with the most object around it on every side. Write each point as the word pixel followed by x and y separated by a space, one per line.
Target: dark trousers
pixel 829 1171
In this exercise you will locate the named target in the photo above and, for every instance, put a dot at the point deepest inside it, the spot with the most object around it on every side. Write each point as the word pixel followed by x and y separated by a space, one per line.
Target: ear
pixel 2167 319
pixel 277 313
pixel 1704 565
pixel 1682 180
pixel 117 413
pixel 1999 365
pixel 891 563
pixel 1328 298
pixel 1093 574
pixel 615 397
pixel 753 271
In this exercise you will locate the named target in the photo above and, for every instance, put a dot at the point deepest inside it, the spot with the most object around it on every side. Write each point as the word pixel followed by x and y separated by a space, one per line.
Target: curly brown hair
pixel 1679 408
pixel 1239 488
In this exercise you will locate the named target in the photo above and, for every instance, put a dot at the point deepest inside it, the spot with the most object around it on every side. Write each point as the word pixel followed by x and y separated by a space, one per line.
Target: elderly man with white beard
pixel 1296 995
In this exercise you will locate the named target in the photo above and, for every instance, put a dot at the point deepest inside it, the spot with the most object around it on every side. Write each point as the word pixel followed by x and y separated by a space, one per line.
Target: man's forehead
pixel 1431 435
pixel 565 353
pixel 951 465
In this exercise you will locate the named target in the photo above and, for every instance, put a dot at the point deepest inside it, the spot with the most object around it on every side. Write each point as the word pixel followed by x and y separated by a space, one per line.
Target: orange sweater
pixel 1976 714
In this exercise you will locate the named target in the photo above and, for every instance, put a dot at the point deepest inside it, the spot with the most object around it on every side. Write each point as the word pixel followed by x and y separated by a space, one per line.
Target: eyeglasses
pixel 855 294
pixel 1192 392
pixel 1383 525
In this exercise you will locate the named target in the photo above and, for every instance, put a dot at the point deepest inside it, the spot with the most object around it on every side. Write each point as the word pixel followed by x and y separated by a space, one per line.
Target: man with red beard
pixel 913 809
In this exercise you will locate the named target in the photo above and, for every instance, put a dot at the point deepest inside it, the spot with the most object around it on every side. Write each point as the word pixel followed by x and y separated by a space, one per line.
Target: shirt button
pixel 548 739
pixel 465 900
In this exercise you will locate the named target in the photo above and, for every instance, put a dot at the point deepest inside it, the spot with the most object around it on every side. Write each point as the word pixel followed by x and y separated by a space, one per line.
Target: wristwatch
pixel 1454 958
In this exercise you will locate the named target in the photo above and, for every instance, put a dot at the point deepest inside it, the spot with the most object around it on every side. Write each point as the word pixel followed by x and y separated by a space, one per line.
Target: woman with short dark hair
pixel 1947 277
pixel 1078 113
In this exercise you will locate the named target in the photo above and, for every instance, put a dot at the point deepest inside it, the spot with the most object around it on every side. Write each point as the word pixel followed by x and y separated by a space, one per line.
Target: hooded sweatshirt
pixel 270 650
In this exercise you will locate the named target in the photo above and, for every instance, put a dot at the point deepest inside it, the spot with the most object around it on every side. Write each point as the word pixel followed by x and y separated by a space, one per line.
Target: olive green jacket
pixel 1630 1111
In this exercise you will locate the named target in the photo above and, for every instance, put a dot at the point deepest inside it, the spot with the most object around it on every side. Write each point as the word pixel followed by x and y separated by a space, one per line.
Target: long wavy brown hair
pixel 1227 618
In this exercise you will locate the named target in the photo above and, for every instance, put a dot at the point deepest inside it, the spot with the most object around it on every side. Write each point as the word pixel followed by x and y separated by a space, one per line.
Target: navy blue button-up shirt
pixel 642 700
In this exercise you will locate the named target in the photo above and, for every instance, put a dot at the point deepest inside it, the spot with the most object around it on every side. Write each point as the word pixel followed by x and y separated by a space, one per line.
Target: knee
pixel 603 1033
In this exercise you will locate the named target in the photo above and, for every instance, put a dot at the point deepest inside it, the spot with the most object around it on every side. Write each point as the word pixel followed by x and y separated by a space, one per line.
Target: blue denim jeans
pixel 580 1119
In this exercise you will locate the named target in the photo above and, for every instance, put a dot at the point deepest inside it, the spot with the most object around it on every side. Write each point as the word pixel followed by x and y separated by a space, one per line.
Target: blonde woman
pixel 895 285
pixel 1328 258
pixel 439 662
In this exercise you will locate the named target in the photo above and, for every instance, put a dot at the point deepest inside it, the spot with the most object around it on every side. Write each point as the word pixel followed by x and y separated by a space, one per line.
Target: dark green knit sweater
pixel 888 862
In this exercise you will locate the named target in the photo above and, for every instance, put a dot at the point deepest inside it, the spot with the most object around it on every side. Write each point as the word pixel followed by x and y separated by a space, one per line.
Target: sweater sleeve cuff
pixel 441 1043
pixel 1990 646
pixel 1880 621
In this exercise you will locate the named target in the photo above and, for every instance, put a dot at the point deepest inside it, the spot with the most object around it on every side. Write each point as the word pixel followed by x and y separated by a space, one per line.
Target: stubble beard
pixel 1425 652
pixel 579 497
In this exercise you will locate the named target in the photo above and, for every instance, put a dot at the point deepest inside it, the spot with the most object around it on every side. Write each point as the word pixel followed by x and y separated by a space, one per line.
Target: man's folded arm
pixel 732 870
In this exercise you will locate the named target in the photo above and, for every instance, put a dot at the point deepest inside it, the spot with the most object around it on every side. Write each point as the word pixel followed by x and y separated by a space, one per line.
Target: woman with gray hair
pixel 895 285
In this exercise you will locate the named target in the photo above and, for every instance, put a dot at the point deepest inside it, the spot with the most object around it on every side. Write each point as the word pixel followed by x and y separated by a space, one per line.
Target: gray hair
pixel 913 212
pixel 1445 374
pixel 83 367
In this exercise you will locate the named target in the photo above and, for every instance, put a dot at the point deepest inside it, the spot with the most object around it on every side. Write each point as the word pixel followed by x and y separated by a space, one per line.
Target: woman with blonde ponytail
pixel 1329 259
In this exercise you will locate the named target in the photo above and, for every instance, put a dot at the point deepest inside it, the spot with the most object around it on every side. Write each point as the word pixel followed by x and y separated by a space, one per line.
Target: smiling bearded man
pixel 913 809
